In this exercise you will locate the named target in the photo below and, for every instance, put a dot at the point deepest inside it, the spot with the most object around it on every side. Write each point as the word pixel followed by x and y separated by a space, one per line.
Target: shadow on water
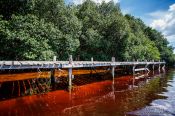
pixel 15 84
pixel 91 95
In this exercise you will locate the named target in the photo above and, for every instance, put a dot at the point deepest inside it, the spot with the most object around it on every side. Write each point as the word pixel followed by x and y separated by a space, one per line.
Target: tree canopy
pixel 40 29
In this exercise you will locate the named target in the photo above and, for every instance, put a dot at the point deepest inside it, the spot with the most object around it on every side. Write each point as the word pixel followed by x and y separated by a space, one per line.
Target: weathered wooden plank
pixel 66 64
pixel 140 69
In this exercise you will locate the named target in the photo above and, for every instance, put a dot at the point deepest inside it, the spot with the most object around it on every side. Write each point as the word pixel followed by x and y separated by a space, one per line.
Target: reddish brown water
pixel 97 95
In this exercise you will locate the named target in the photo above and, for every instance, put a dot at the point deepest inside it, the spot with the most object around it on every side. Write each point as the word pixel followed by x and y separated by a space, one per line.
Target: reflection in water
pixel 99 95
pixel 162 107
pixel 16 85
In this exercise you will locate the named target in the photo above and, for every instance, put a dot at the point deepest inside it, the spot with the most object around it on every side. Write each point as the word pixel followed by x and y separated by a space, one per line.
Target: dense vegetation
pixel 40 29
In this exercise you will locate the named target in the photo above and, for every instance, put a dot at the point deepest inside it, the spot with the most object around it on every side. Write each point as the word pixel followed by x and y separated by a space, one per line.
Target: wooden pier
pixel 70 65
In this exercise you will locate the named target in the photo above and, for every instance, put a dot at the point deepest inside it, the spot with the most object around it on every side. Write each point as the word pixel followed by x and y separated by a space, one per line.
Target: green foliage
pixel 10 7
pixel 40 29
pixel 64 19
pixel 25 37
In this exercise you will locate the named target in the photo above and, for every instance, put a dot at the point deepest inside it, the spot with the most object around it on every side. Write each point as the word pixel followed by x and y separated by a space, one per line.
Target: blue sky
pixel 159 14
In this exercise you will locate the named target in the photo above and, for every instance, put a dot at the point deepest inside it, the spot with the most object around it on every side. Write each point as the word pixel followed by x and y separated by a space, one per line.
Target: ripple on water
pixel 152 111
pixel 160 107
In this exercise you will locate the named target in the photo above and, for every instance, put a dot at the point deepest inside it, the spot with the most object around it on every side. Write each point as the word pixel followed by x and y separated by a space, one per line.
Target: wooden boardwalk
pixel 70 65
pixel 66 64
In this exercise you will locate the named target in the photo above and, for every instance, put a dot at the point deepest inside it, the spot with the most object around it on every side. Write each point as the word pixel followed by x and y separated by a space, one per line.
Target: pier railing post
pixel 92 59
pixel 70 71
pixel 153 66
pixel 92 63
pixel 113 68
pixel 70 59
pixel 55 58
pixel 113 59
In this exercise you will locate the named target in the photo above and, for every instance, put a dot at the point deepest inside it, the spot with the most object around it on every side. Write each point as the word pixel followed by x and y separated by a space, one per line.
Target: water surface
pixel 97 96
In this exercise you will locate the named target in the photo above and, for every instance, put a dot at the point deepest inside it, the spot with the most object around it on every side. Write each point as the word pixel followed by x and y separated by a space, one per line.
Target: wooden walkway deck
pixel 52 65
pixel 66 64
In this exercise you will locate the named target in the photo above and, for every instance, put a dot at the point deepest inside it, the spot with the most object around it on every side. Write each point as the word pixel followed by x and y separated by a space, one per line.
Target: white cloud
pixel 78 1
pixel 171 39
pixel 164 21
pixel 127 10
pixel 157 14
pixel 96 1
pixel 172 7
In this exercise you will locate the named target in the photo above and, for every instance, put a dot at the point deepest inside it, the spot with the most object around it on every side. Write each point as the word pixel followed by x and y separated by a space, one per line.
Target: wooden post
pixel 163 68
pixel 153 67
pixel 113 89
pixel 113 68
pixel 92 63
pixel 70 59
pixel 133 69
pixel 70 77
pixel 70 71
pixel 53 72
pixel 113 59
pixel 92 59
pixel 52 75
pixel 113 71
pixel 54 58
pixel 146 66
pixel 159 66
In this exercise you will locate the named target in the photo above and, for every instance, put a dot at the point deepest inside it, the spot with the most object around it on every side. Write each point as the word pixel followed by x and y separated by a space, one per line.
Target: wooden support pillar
pixel 146 66
pixel 70 71
pixel 52 76
pixel 113 68
pixel 163 68
pixel 153 65
pixel 92 61
pixel 70 96
pixel 113 89
pixel 70 77
pixel 153 68
pixel 113 72
pixel 133 69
